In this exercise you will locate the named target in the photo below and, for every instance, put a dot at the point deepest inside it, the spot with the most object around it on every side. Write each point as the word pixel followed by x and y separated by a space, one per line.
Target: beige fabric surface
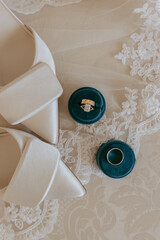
pixel 83 39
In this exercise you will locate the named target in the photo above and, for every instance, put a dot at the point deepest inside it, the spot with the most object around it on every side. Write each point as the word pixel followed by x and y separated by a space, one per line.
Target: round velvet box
pixel 115 158
pixel 86 105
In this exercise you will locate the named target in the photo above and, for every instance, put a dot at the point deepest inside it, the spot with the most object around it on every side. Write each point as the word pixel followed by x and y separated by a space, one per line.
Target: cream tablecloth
pixel 84 38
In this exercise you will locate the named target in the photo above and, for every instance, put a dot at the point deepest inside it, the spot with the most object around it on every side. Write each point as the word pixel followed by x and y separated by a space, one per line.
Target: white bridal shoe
pixel 31 170
pixel 24 88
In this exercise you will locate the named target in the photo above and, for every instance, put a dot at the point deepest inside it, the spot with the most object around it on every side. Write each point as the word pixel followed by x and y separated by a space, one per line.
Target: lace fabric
pixel 139 115
pixel 28 223
pixel 33 6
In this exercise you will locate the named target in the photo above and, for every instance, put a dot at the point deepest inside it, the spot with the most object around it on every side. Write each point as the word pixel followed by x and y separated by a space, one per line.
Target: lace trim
pixel 24 223
pixel 143 55
pixel 140 115
pixel 33 6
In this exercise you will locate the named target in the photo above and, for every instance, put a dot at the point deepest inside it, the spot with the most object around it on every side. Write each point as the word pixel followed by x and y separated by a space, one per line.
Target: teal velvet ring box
pixel 116 159
pixel 86 105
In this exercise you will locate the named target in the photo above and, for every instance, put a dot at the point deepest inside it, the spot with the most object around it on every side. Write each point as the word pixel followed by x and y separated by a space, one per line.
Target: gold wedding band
pixel 88 101
pixel 120 160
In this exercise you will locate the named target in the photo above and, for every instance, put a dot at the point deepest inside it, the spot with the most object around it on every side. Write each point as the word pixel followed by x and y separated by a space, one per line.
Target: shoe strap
pixel 34 174
pixel 29 94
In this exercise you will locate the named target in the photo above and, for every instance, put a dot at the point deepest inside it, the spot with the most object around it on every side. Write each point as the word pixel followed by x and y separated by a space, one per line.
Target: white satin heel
pixel 21 49
pixel 32 171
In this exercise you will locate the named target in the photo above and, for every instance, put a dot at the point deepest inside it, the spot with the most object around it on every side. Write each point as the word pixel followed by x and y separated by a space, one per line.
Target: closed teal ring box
pixel 116 171
pixel 78 114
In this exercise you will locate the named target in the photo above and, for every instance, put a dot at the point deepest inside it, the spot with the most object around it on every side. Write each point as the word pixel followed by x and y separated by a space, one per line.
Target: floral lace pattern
pixel 140 115
pixel 143 55
pixel 137 196
pixel 33 6
pixel 26 223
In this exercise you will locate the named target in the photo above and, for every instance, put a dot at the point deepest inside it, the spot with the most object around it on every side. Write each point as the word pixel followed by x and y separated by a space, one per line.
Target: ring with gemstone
pixel 87 105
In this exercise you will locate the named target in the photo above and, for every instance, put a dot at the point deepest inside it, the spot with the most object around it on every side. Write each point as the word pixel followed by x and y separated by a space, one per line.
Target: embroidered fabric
pixel 33 6
pixel 23 223
pixel 140 115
